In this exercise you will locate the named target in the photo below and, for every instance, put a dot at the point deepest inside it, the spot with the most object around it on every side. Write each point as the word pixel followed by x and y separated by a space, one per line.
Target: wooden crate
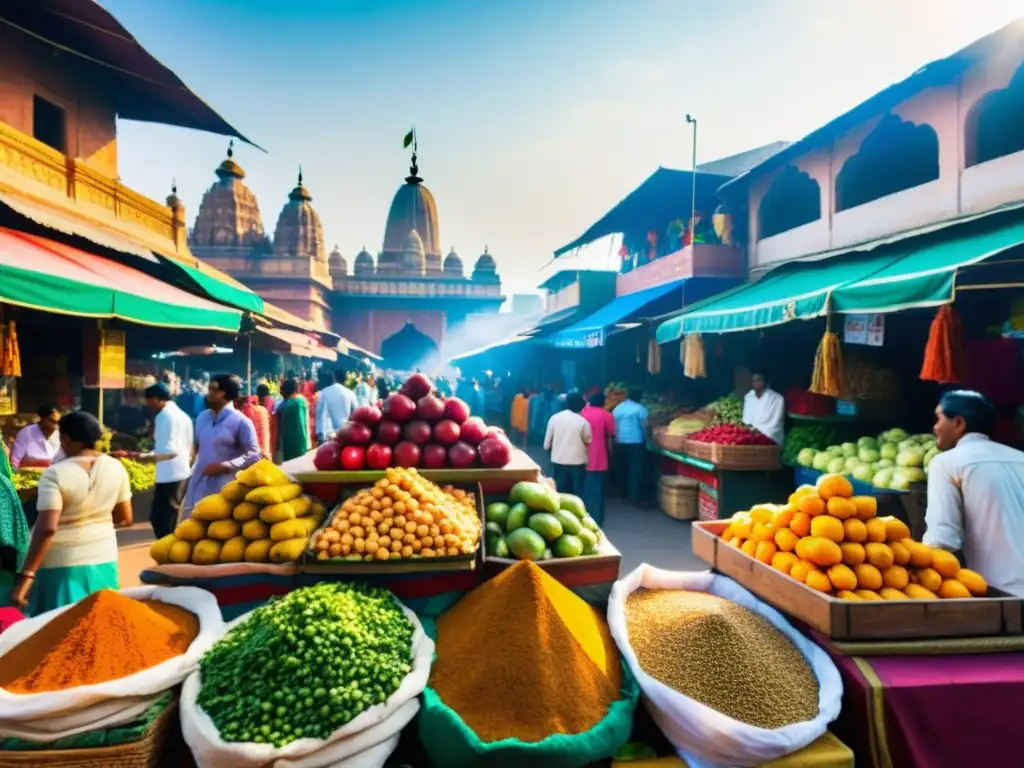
pixel 746 457
pixel 997 614
pixel 599 568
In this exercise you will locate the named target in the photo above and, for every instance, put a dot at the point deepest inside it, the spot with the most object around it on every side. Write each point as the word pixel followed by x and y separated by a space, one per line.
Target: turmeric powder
pixel 523 657
pixel 104 637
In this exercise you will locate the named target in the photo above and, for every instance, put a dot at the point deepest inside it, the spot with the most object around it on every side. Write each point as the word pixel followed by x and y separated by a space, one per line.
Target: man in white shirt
pixel 568 437
pixel 173 433
pixel 333 407
pixel 976 492
pixel 363 394
pixel 765 409
pixel 38 444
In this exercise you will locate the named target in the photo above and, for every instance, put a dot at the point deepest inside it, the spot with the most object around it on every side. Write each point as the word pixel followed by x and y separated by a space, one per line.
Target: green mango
pixel 573 504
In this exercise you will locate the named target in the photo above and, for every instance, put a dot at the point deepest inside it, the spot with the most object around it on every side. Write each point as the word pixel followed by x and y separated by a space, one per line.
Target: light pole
pixel 693 174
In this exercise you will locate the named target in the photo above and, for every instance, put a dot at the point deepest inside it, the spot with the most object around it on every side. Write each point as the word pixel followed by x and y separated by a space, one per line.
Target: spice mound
pixel 523 657
pixel 104 637
pixel 722 655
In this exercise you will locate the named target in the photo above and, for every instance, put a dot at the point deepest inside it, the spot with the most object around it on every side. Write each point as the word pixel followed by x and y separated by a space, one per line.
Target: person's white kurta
pixel 976 504
pixel 766 413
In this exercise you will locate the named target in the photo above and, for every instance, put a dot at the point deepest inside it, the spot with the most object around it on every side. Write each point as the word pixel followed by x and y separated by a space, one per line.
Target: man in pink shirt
pixel 602 426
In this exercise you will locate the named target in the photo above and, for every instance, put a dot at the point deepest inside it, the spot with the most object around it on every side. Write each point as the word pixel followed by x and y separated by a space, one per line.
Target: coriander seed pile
pixel 722 655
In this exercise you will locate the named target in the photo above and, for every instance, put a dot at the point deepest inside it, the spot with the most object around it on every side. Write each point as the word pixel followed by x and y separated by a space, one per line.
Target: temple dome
pixel 229 214
pixel 413 258
pixel 299 232
pixel 453 264
pixel 338 265
pixel 363 264
pixel 412 209
pixel 485 269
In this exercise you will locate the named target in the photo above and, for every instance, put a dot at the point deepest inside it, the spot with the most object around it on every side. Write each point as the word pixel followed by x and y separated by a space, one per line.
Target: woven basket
pixel 677 497
pixel 147 752
pixel 746 457
pixel 698 450
pixel 667 442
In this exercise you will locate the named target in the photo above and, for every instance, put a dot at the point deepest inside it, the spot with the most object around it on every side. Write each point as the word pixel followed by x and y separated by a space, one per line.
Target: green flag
pixel 410 137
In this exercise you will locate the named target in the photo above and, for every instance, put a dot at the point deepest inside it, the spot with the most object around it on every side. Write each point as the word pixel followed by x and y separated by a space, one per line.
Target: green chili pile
pixel 304 665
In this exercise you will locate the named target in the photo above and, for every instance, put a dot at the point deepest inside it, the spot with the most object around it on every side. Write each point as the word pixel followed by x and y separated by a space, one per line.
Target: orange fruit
pixel 842 577
pixel 827 527
pixel 951 588
pixel 868 577
pixel 800 524
pixel 819 581
pixel 920 554
pixel 974 582
pixel 888 593
pixel 799 493
pixel 846 594
pixel 761 513
pixel 867 506
pixel 855 530
pixel 832 485
pixel 765 552
pixel 895 529
pixel 867 594
pixel 811 505
pixel 800 569
pixel 749 547
pixel 763 532
pixel 900 554
pixel 821 551
pixel 929 578
pixel 784 561
pixel 875 529
pixel 917 592
pixel 853 553
pixel 879 555
pixel 945 563
pixel 786 540
pixel 895 576
pixel 783 517
pixel 842 508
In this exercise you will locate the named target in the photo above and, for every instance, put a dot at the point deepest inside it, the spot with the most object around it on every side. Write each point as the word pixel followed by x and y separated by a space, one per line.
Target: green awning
pixel 217 289
pixel 920 272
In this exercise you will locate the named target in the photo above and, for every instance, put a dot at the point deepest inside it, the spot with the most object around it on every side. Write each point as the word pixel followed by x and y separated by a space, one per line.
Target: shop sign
pixel 588 340
pixel 105 361
pixel 864 329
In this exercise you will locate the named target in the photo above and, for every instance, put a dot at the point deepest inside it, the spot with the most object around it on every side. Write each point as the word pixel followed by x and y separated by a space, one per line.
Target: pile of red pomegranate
pixel 731 434
pixel 414 428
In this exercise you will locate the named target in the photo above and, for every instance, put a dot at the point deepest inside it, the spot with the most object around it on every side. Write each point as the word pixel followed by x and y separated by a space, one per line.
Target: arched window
pixel 792 200
pixel 995 125
pixel 896 155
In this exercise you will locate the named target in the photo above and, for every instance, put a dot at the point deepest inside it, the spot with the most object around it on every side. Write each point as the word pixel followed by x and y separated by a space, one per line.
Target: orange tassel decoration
pixel 11 357
pixel 944 355
pixel 828 377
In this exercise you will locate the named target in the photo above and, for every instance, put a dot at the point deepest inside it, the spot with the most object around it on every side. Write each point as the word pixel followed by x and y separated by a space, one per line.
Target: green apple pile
pixel 539 524
pixel 892 460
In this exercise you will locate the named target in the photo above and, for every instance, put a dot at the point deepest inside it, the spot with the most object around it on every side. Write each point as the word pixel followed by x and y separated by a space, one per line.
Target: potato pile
pixel 402 516
pixel 833 542
pixel 259 517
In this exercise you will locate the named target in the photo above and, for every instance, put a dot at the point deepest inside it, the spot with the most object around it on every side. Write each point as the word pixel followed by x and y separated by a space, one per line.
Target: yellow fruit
pixel 974 582
pixel 842 577
pixel 762 513
pixel 741 526
pixel 206 552
pixel 784 561
pixel 895 529
pixel 263 472
pixel 222 530
pixel 303 506
pixel 945 563
pixel 867 506
pixel 799 493
pixel 867 594
pixel 736 541
pixel 234 491
pixel 875 529
pixel 233 550
pixel 917 592
pixel 288 551
pixel 214 507
pixel 255 530
pixel 276 513
pixel 160 550
pixel 855 530
pixel 895 576
pixel 246 511
pixel 765 552
pixel 831 485
pixel 288 529
pixel 951 588
pixel 811 505
pixel 190 530
pixel 900 553
pixel 818 580
pixel 853 553
pixel 920 554
pixel 929 578
pixel 827 527
pixel 181 552
pixel 848 595
pixel 800 569
pixel 802 546
pixel 868 577
pixel 888 593
pixel 763 532
pixel 728 533
pixel 800 524
pixel 783 517
pixel 786 540
pixel 310 523
pixel 842 508
pixel 749 547
pixel 823 552
pixel 319 509
pixel 878 554
pixel 258 551
pixel 276 494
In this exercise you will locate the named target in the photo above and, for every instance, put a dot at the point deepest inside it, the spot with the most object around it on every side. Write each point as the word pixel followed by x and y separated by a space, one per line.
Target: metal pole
pixel 99 376
pixel 248 366
pixel 693 189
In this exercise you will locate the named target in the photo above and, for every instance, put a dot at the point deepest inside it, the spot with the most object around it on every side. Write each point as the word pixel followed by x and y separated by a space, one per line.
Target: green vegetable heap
pixel 141 477
pixel 814 436
pixel 728 409
pixel 305 665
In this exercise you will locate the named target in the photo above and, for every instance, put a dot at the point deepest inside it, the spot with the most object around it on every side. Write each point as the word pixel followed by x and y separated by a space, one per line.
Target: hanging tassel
pixel 694 367
pixel 653 357
pixel 944 356
pixel 828 378
pixel 11 356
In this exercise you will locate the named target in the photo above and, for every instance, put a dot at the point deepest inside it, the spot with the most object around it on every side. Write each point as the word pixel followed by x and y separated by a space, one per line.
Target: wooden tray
pixel 599 568
pixel 746 457
pixel 699 450
pixel 997 614
pixel 667 442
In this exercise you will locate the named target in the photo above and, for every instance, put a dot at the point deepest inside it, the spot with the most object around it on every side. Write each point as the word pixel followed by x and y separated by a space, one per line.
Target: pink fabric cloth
pixel 602 426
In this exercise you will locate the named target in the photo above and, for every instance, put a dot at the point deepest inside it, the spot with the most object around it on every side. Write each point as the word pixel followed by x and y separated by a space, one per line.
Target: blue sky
pixel 534 116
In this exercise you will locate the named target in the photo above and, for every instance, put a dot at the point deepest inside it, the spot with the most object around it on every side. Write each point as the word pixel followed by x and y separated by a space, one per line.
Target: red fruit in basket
pixel 417 386
pixel 407 454
pixel 474 431
pixel 495 452
pixel 430 408
pixel 353 458
pixel 399 408
pixel 378 456
pixel 462 455
pixel 417 431
pixel 456 410
pixel 447 432
pixel 389 432
pixel 434 456
pixel 354 433
pixel 369 415
pixel 328 457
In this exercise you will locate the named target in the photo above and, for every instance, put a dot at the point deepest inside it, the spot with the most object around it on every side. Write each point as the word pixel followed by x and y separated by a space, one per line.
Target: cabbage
pixel 852 463
pixel 835 451
pixel 910 442
pixel 867 442
pixel 849 449
pixel 888 450
pixel 863 473
pixel 882 478
pixel 868 455
pixel 930 454
pixel 806 457
pixel 910 457
pixel 837 466
pixel 913 474
pixel 885 463
pixel 899 483
pixel 820 462
pixel 896 435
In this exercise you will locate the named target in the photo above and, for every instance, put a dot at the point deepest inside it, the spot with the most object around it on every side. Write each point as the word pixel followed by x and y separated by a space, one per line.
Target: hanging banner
pixel 864 329
pixel 104 359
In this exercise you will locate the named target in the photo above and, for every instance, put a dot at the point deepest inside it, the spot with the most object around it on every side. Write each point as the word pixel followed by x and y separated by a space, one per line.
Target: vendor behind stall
pixel 976 492
pixel 37 444
pixel 764 408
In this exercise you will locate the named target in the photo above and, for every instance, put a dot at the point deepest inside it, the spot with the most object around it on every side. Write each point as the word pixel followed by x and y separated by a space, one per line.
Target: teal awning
pixel 217 289
pixel 921 272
